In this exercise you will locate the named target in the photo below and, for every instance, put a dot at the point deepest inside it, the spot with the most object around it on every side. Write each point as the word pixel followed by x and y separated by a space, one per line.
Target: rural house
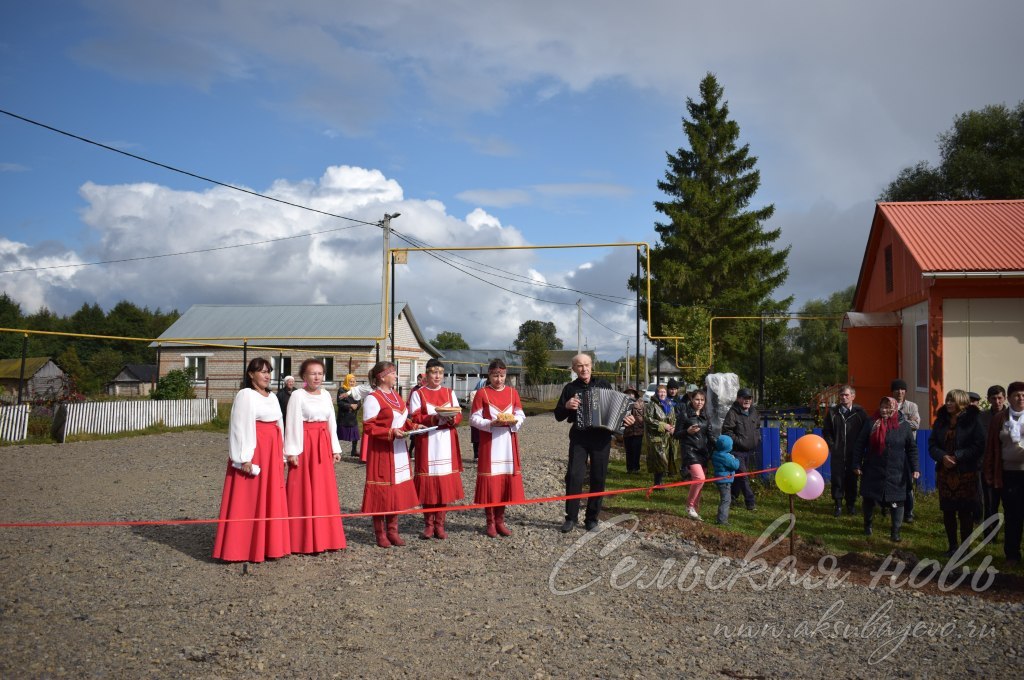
pixel 44 379
pixel 214 342
pixel 939 301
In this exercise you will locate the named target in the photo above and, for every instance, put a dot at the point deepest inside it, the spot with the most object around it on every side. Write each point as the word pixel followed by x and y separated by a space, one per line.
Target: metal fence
pixel 107 417
pixel 14 422
pixel 772 449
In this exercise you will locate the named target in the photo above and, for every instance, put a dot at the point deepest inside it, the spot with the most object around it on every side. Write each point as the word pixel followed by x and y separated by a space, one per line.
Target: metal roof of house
pixel 960 236
pixel 141 372
pixel 11 368
pixel 275 325
pixel 476 360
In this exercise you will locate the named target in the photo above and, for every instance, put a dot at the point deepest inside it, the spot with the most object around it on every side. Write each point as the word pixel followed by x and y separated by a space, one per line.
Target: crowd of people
pixel 280 491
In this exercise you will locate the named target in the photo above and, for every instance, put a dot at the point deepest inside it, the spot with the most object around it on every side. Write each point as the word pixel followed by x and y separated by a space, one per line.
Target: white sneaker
pixel 692 514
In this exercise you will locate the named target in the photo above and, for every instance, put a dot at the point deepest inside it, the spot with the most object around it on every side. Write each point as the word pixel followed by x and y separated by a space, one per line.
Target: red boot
pixel 490 530
pixel 393 530
pixel 429 524
pixel 379 532
pixel 499 521
pixel 439 531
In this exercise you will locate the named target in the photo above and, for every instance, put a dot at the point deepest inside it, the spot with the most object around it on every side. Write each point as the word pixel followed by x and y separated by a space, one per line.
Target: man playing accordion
pixel 593 444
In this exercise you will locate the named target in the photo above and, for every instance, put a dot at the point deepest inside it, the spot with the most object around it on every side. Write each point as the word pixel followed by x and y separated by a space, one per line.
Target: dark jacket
pixel 347 416
pixel 969 440
pixel 593 437
pixel 695 447
pixel 841 432
pixel 745 430
pixel 886 475
pixel 283 395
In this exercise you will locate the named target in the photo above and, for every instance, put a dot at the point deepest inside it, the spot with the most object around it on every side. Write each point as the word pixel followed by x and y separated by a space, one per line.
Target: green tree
pixel 535 358
pixel 714 257
pixel 106 363
pixel 821 343
pixel 10 317
pixel 449 340
pixel 177 384
pixel 545 328
pixel 71 364
pixel 982 157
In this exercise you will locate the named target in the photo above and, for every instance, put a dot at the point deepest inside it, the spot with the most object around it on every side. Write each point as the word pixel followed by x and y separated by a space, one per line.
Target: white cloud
pixel 495 198
pixel 142 219
pixel 13 167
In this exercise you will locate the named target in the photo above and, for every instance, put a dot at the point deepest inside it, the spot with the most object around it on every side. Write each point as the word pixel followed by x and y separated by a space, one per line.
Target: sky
pixel 481 123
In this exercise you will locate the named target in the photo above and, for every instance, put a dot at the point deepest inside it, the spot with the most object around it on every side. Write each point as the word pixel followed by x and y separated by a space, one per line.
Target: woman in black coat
pixel 957 444
pixel 693 432
pixel 885 460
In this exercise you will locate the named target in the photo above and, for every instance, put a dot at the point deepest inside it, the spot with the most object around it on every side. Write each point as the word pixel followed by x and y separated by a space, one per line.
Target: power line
pixel 625 335
pixel 184 252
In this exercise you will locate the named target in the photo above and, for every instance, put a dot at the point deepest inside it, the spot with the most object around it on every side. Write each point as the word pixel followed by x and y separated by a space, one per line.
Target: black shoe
pixel 850 509
pixel 751 507
pixel 909 519
pixel 590 524
pixel 950 552
pixel 838 510
pixel 568 525
pixel 894 536
pixel 867 530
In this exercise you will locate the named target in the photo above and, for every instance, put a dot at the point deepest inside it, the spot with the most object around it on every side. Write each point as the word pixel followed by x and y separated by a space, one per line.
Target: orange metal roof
pixel 954 236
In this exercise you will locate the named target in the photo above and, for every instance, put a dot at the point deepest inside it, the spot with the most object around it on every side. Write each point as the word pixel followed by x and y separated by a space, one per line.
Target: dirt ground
pixel 649 596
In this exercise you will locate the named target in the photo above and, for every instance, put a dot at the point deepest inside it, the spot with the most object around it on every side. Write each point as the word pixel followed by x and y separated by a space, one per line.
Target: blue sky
pixel 483 123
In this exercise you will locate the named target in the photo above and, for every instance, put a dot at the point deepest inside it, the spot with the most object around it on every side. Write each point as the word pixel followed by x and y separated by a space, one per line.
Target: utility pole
pixel 385 225
pixel 627 362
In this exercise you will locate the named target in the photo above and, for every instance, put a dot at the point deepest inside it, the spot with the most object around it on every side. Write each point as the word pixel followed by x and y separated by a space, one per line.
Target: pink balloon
pixel 814 487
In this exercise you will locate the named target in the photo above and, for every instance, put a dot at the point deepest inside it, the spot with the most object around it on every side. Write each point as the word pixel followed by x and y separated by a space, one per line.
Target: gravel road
pixel 148 601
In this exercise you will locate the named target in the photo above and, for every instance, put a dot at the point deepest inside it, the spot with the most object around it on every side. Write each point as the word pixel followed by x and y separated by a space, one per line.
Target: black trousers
pixel 1013 512
pixel 741 485
pixel 579 454
pixel 844 481
pixel 633 446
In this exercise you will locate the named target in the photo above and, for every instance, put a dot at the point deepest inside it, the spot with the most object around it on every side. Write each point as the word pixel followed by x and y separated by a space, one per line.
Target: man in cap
pixel 743 424
pixel 909 412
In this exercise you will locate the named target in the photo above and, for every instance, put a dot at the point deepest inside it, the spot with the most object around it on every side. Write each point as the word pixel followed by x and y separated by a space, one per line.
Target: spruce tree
pixel 714 257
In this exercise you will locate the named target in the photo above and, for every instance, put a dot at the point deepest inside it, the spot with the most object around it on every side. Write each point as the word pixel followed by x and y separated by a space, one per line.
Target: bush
pixel 177 384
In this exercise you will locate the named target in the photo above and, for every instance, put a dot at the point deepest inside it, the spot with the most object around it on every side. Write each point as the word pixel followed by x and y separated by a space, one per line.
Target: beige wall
pixel 911 317
pixel 983 343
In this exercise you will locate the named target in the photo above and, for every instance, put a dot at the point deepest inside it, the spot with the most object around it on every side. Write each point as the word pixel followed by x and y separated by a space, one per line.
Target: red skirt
pixel 248 501
pixel 381 493
pixel 439 489
pixel 313 495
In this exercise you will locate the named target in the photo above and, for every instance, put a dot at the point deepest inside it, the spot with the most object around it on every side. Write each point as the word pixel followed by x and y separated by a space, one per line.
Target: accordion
pixel 603 409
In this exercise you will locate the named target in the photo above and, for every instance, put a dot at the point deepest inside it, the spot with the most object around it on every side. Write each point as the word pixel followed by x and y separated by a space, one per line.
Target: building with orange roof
pixel 939 301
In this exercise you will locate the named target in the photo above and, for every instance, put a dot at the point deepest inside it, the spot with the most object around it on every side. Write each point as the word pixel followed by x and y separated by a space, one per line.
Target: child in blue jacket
pixel 725 465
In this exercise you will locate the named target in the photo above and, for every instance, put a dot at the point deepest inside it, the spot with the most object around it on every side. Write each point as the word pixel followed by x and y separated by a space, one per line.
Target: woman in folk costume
pixel 389 485
pixel 254 482
pixel 348 422
pixel 312 447
pixel 438 458
pixel 659 425
pixel 498 415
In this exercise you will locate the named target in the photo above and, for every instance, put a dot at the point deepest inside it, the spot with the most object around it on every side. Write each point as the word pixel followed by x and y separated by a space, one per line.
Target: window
pixel 328 368
pixel 195 366
pixel 280 367
pixel 888 269
pixel 922 356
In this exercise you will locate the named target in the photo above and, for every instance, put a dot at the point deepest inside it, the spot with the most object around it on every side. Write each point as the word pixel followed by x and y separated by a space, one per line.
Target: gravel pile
pixel 148 601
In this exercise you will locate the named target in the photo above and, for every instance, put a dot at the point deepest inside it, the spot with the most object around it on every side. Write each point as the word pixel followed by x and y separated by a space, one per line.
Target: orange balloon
pixel 810 451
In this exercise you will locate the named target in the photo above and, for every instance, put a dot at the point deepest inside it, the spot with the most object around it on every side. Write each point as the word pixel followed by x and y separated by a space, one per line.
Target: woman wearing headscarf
pixel 659 424
pixel 348 421
pixel 254 492
pixel 312 448
pixel 885 458
pixel 957 444
pixel 386 424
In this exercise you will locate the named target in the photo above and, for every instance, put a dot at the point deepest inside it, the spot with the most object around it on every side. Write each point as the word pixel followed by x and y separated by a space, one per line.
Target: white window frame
pixel 197 355
pixel 917 357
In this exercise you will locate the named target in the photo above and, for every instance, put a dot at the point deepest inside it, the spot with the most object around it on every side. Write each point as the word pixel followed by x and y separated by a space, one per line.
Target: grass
pixel 815 524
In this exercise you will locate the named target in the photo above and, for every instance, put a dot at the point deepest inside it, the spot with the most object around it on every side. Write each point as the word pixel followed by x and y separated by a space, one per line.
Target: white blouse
pixel 248 407
pixel 304 407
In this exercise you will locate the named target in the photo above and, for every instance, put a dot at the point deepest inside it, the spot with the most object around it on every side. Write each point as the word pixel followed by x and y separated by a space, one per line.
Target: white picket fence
pixel 107 417
pixel 14 422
